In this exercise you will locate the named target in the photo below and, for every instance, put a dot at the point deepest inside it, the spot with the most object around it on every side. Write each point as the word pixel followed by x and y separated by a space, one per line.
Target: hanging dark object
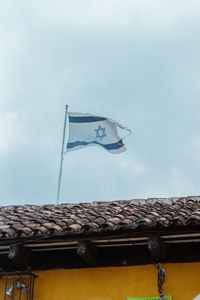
pixel 161 280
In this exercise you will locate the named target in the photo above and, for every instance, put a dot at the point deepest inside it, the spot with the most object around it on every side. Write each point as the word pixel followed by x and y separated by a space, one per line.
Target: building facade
pixel 137 249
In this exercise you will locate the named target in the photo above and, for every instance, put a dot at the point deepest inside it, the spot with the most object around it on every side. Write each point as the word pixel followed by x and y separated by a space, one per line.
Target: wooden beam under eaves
pixel 156 248
pixel 19 254
pixel 88 252
pixel 107 257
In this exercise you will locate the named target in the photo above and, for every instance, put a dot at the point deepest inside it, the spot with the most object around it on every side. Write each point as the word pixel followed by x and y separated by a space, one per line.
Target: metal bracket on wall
pixel 18 285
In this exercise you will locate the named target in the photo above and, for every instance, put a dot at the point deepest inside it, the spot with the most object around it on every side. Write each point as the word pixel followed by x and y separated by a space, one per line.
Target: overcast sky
pixel 135 61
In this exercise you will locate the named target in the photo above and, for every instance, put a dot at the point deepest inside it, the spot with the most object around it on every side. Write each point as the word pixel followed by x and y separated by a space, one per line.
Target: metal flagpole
pixel 62 151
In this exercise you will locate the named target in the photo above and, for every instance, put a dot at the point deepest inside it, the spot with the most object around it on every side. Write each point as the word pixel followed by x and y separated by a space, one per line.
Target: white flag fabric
pixel 89 130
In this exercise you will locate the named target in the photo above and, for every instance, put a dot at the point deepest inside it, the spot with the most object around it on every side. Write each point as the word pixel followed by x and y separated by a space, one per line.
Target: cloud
pixel 10 133
pixel 100 175
pixel 192 150
pixel 196 143
pixel 176 183
pixel 118 16
pixel 133 166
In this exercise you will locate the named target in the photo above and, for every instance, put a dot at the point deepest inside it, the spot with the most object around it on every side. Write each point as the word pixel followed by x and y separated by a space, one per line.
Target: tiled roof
pixel 50 220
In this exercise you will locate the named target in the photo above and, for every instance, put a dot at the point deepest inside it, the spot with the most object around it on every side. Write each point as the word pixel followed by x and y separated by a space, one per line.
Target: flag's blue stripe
pixel 85 119
pixel 113 146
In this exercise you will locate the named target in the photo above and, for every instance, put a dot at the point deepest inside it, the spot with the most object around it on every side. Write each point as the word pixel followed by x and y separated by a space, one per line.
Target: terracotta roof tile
pixel 49 220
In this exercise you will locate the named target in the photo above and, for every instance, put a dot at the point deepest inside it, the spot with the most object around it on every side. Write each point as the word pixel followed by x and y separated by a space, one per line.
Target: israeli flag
pixel 89 130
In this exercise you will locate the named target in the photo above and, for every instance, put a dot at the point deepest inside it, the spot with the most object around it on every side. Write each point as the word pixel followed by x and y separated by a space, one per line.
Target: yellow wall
pixel 182 282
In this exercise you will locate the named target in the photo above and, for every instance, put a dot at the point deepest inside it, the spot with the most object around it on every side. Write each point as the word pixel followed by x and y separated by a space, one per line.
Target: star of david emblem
pixel 100 132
